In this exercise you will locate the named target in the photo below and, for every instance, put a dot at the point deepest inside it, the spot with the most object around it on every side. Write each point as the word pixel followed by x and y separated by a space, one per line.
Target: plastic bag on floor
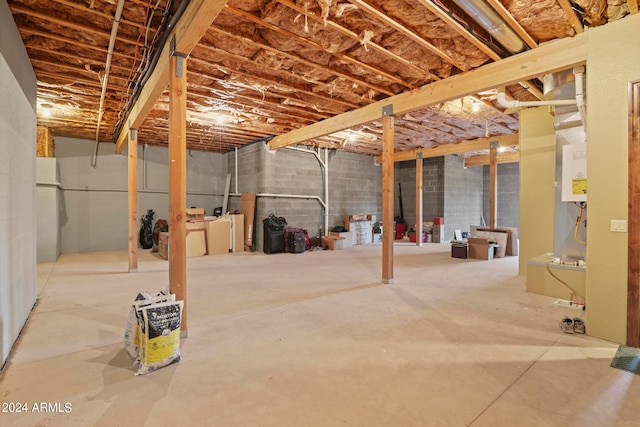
pixel 159 335
pixel 132 329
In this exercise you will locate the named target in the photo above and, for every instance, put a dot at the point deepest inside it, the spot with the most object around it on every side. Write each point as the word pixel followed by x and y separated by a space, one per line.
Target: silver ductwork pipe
pixel 493 23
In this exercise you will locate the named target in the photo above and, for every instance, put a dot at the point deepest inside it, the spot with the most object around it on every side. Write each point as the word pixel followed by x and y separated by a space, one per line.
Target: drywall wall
pixel 355 183
pixel 508 200
pixel 537 183
pixel 18 275
pixel 93 205
pixel 613 60
pixel 47 209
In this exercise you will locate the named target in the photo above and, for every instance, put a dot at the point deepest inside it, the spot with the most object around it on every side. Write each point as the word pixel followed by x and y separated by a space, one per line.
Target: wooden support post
pixel 633 252
pixel 493 184
pixel 388 165
pixel 418 226
pixel 178 182
pixel 132 199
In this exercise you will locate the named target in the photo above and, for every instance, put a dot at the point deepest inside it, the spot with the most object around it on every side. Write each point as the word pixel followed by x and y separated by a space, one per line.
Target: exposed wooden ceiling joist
pixel 190 28
pixel 84 9
pixel 548 58
pixel 410 34
pixel 435 9
pixel 339 55
pixel 633 6
pixel 271 80
pixel 287 55
pixel 68 24
pixel 354 36
pixel 515 25
pixel 573 19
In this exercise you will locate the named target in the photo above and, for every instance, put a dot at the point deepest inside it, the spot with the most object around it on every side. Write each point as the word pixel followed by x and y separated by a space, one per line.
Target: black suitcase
pixel 273 234
pixel 297 242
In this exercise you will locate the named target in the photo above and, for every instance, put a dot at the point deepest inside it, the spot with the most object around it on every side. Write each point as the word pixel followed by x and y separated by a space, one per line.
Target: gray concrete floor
pixel 315 339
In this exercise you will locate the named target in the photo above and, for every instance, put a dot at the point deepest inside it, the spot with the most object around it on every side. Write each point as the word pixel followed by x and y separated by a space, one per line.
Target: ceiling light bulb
pixel 220 119
pixel 475 107
pixel 501 149
pixel 45 110
pixel 352 137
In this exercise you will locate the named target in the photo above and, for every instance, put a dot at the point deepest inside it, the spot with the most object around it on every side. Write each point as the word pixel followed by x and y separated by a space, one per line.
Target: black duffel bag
pixel 275 222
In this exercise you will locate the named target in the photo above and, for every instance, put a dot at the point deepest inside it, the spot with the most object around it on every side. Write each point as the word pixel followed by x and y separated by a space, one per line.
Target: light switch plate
pixel 619 225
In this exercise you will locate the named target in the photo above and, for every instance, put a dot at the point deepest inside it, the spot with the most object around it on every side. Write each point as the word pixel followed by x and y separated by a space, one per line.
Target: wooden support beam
pixel 550 57
pixel 178 182
pixel 388 166
pixel 484 160
pixel 633 252
pixel 193 24
pixel 493 184
pixel 510 140
pixel 133 200
pixel 418 226
pixel 633 6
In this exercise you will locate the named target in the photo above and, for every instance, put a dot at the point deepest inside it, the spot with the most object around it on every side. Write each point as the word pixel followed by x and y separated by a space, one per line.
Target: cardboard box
pixel 195 243
pixel 459 251
pixel 346 235
pixel 237 233
pixel 218 236
pixel 480 248
pixel 163 244
pixel 438 233
pixel 334 243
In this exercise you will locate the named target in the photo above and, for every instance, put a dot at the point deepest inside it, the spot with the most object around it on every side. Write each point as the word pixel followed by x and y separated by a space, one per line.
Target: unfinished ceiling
pixel 266 67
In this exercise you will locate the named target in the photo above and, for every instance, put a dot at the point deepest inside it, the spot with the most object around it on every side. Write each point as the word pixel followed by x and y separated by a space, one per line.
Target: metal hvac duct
pixel 493 23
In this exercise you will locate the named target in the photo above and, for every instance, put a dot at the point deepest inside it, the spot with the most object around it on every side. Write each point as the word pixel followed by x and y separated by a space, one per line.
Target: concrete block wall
pixel 433 202
pixel 93 211
pixel 508 214
pixel 18 273
pixel 463 191
pixel 432 189
pixel 355 184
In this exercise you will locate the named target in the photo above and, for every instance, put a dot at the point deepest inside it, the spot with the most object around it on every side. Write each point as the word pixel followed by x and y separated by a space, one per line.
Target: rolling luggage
pixel 297 242
pixel 274 234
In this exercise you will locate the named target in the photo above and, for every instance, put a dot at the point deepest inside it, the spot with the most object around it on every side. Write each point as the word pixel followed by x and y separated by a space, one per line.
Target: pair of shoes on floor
pixel 569 326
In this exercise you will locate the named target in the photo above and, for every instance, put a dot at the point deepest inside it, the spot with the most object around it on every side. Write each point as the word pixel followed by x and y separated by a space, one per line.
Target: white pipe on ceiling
pixel 513 103
pixel 105 78
pixel 577 101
